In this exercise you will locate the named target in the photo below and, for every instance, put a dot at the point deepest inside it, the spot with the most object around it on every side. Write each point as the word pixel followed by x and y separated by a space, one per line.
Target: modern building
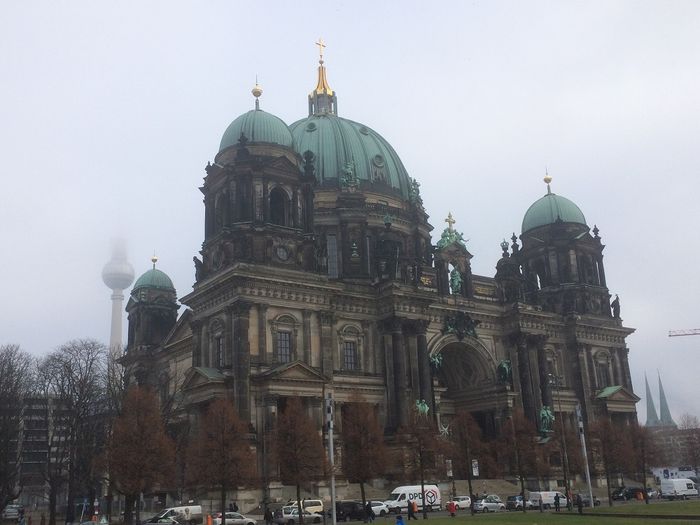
pixel 319 274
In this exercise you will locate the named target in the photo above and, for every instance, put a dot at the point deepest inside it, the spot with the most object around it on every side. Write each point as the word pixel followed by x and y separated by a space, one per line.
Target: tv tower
pixel 118 275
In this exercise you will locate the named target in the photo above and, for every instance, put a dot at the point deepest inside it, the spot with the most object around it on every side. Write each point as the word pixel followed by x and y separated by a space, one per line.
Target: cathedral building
pixel 319 274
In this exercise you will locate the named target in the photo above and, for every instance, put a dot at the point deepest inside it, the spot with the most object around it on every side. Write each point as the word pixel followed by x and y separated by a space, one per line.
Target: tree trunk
pixel 129 509
pixel 223 504
pixel 110 498
pixel 607 479
pixel 364 502
pixel 52 503
pixel 301 510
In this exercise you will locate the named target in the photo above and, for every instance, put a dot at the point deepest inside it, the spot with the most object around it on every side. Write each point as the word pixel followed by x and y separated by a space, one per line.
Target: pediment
pixel 617 394
pixel 283 163
pixel 296 371
pixel 198 376
pixel 181 330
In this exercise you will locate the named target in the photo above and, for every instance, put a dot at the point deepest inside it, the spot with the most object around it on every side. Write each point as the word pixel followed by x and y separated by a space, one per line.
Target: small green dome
pixel 257 126
pixel 340 145
pixel 154 278
pixel 549 209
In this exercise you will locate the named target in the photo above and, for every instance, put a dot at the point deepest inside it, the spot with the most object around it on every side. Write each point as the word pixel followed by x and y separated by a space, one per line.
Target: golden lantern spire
pixel 547 179
pixel 322 87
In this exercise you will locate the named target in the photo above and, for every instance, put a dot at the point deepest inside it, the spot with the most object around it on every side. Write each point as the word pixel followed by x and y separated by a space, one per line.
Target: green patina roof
pixel 608 391
pixel 154 278
pixel 257 126
pixel 549 209
pixel 338 143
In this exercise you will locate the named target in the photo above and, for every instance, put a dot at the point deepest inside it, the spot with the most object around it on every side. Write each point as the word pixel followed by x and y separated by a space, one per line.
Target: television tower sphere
pixel 118 274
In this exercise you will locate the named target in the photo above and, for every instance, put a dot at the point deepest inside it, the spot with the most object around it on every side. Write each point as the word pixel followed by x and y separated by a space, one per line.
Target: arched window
pixel 279 207
pixel 601 362
pixel 350 348
pixel 284 338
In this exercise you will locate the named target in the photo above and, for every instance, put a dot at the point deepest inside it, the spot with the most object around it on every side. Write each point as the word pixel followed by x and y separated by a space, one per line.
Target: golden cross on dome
pixel 450 221
pixel 321 44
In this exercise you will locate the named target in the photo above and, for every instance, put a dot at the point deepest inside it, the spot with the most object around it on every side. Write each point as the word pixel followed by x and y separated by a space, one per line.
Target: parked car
pixel 379 508
pixel 290 515
pixel 349 510
pixel 586 500
pixel 461 502
pixel 12 512
pixel 516 503
pixel 233 518
pixel 490 503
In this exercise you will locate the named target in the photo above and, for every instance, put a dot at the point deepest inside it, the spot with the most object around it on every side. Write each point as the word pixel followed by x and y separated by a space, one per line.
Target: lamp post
pixel 556 381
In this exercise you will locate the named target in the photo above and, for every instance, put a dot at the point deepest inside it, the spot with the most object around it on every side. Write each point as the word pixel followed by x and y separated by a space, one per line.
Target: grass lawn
pixel 687 508
pixel 546 518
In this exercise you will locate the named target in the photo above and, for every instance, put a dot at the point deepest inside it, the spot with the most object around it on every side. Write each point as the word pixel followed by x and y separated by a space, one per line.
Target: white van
pixel 679 488
pixel 187 515
pixel 310 505
pixel 400 497
pixel 547 497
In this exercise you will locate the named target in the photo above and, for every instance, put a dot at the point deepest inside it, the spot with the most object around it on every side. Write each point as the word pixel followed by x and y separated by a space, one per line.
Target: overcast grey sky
pixel 109 112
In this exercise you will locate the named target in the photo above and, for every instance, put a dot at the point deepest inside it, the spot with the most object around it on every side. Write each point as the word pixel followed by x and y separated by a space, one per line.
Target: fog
pixel 110 111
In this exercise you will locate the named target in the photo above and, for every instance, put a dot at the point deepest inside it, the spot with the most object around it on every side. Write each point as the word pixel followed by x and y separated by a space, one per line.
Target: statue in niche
pixel 546 419
pixel 504 371
pixel 456 282
pixel 422 407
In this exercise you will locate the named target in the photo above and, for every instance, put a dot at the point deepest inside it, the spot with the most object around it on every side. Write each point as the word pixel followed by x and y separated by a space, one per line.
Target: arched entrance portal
pixel 467 382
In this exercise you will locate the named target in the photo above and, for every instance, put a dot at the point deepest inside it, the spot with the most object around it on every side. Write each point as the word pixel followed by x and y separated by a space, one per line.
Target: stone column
pixel 196 327
pixel 520 340
pixel 426 374
pixel 241 352
pixel 327 350
pixel 262 334
pixel 400 375
pixel 544 379
pixel 306 337
pixel 387 350
pixel 413 366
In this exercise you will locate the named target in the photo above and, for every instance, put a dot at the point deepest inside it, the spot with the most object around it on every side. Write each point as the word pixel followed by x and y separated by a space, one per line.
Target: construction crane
pixel 678 333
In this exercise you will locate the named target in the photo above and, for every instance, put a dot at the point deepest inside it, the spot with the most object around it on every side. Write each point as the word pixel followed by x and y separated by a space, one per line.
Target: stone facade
pixel 310 284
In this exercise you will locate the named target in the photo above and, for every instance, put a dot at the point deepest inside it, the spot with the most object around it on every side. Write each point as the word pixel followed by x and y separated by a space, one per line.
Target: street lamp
pixel 556 381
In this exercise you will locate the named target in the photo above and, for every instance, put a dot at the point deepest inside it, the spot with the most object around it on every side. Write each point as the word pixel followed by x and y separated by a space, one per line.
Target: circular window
pixel 378 161
pixel 364 130
pixel 311 127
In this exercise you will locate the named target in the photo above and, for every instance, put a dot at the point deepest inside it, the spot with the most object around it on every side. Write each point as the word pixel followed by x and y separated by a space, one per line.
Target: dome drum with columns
pixel 318 273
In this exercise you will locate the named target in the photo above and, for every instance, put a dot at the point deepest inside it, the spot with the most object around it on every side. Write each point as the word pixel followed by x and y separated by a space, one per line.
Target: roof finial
pixel 257 91
pixel 322 87
pixel 154 259
pixel 450 221
pixel 547 179
pixel 321 44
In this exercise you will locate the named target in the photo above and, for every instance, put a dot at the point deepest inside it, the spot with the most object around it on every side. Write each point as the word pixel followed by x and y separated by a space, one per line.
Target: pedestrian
pixel 235 507
pixel 557 502
pixel 268 516
pixel 472 500
pixel 369 512
pixel 579 503
pixel 399 520
pixel 42 521
pixel 412 510
pixel 451 508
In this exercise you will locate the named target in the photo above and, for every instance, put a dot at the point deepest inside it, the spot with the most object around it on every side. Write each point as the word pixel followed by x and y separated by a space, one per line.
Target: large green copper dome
pixel 257 126
pixel 340 145
pixel 154 278
pixel 549 209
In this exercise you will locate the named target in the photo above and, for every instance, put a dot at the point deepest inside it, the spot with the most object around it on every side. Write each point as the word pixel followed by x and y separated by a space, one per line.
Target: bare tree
pixel 299 448
pixel 364 452
pixel 468 444
pixel 15 382
pixel 690 427
pixel 644 452
pixel 140 454
pixel 610 450
pixel 518 441
pixel 222 435
pixel 426 446
pixel 72 387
